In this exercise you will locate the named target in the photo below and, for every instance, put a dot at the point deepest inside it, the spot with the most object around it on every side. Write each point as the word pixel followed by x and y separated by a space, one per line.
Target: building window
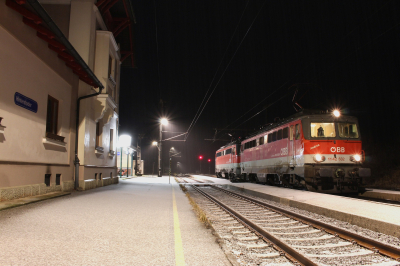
pixel 115 69
pixel 58 179
pixel 47 179
pixel 111 139
pixel 52 116
pixel 110 65
pixel 99 129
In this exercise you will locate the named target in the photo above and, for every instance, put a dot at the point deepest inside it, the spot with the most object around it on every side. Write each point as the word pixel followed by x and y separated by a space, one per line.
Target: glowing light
pixel 201 157
pixel 357 158
pixel 209 160
pixel 319 158
pixel 336 113
pixel 154 143
pixel 164 121
pixel 124 141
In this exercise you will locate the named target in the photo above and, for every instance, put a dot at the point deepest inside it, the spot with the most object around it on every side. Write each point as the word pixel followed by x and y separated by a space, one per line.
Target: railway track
pixel 268 233
pixel 191 180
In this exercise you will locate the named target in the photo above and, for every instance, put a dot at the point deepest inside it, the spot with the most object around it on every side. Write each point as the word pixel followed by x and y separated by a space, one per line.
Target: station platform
pixel 166 219
pixel 373 193
pixel 376 216
pixel 140 221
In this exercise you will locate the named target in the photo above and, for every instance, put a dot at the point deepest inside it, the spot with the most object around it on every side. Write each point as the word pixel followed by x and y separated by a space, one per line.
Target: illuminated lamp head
pixel 319 158
pixel 336 113
pixel 164 121
pixel 355 158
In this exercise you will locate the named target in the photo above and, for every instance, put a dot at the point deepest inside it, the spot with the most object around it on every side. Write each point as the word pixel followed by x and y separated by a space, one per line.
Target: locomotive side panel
pixel 227 161
pixel 273 152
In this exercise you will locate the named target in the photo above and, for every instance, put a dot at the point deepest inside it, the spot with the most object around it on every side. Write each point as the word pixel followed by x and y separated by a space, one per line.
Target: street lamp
pixel 209 160
pixel 172 153
pixel 163 121
pixel 200 158
pixel 124 141
pixel 129 151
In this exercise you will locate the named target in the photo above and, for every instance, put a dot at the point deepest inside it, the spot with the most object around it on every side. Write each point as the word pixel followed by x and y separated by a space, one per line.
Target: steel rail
pixel 288 251
pixel 368 243
pixel 194 178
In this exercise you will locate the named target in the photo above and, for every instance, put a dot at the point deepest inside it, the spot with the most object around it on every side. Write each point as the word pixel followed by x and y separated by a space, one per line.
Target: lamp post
pixel 127 161
pixel 170 158
pixel 124 141
pixel 163 121
pixel 209 164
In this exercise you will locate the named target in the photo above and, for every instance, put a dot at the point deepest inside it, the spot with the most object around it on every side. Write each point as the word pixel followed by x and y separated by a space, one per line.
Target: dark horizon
pixel 344 53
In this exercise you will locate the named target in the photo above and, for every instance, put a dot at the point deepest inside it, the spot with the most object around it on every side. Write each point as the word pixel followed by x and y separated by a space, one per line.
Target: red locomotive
pixel 316 150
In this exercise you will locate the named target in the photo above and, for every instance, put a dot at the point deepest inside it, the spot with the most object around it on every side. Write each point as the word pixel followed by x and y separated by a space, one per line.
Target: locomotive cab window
pixel 297 131
pixel 348 130
pixel 285 133
pixel 323 130
pixel 279 136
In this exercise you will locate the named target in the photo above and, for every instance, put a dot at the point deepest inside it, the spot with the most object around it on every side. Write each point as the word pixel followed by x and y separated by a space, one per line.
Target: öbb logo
pixel 338 149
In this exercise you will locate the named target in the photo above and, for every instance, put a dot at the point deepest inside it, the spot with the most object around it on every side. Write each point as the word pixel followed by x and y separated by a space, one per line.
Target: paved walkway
pixel 141 221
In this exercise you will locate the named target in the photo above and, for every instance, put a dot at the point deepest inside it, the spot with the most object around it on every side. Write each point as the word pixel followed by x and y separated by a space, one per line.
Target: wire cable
pixel 158 59
pixel 219 66
pixel 303 69
pixel 223 73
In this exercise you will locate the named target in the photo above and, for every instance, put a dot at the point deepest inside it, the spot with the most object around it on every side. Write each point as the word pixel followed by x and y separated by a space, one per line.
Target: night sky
pixel 337 54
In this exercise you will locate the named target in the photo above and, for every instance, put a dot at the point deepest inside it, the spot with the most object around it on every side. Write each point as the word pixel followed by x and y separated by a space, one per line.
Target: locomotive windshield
pixel 323 130
pixel 348 130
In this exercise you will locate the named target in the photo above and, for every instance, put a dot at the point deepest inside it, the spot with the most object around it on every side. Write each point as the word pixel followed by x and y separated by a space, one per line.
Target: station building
pixel 55 54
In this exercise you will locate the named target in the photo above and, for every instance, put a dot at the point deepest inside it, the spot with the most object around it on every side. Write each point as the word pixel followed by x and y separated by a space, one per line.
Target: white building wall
pixel 95 45
pixel 29 67
pixel 23 72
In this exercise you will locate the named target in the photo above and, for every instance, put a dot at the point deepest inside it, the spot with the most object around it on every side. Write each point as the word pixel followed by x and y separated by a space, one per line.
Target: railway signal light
pixel 200 157
pixel 209 160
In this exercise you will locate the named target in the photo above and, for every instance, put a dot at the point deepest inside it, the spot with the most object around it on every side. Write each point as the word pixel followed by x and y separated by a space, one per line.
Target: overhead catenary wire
pixel 219 66
pixel 336 45
pixel 158 58
pixel 223 73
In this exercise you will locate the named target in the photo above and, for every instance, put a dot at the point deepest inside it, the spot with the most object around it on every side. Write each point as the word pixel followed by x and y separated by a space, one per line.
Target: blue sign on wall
pixel 25 102
pixel 118 153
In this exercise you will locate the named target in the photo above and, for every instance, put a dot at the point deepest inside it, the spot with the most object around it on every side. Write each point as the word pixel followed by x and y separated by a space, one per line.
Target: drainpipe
pixel 71 50
pixel 76 161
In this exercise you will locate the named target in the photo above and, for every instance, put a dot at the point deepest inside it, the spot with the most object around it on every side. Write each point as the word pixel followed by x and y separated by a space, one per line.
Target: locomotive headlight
pixel 319 158
pixel 355 158
pixel 336 113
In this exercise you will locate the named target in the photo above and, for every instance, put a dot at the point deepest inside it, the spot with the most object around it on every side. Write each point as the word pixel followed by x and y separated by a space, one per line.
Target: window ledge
pixel 99 150
pixel 2 129
pixel 111 153
pixel 54 137
pixel 54 142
